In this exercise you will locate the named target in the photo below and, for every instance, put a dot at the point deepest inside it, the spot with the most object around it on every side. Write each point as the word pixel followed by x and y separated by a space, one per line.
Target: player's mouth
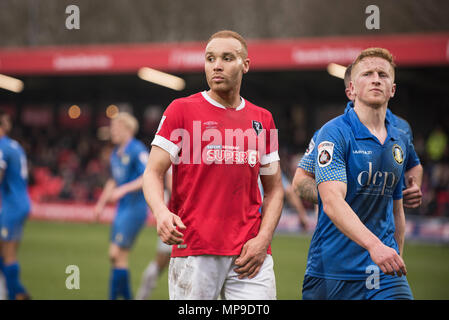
pixel 218 78
pixel 377 90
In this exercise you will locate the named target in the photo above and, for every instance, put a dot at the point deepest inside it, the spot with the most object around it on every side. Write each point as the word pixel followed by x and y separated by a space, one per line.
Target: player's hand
pixel 166 228
pixel 98 210
pixel 305 224
pixel 251 258
pixel 388 260
pixel 412 196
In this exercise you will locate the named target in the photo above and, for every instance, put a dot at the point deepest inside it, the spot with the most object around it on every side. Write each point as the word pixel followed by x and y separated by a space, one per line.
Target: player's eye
pixel 210 59
pixel 228 58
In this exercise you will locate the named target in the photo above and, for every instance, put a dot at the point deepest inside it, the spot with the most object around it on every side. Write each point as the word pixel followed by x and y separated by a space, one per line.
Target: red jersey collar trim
pixel 219 105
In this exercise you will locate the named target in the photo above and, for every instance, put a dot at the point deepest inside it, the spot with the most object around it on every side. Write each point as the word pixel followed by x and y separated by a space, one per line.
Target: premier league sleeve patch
pixel 325 153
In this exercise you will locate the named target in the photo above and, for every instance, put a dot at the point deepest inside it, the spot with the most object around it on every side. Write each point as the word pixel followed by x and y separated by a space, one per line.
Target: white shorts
pixel 207 277
pixel 163 247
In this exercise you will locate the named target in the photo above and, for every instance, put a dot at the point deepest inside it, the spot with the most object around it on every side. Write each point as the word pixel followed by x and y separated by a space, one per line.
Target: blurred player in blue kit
pixel 15 208
pixel 128 161
pixel 359 167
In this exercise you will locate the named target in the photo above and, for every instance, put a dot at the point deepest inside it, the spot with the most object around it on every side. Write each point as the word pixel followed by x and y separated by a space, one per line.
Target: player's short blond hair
pixel 375 52
pixel 347 77
pixel 128 120
pixel 231 34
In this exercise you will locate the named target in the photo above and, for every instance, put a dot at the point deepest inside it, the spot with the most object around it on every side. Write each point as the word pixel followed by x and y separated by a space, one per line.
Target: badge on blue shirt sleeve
pixel 143 157
pixel 310 147
pixel 325 153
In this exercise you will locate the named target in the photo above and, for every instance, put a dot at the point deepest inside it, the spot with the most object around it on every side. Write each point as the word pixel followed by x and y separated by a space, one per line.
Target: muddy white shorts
pixel 210 277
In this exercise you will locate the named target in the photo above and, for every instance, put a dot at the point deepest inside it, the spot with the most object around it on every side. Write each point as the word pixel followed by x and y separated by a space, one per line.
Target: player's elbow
pixel 330 202
pixel 299 180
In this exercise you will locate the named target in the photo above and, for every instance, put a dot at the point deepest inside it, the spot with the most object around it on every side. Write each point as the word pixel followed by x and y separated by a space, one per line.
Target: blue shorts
pixel 388 288
pixel 126 226
pixel 11 225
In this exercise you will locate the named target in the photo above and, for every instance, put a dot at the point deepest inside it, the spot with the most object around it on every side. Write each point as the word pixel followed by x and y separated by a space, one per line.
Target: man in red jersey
pixel 218 143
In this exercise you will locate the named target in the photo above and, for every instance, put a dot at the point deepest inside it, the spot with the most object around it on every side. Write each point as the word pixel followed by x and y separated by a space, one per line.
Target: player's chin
pixel 219 86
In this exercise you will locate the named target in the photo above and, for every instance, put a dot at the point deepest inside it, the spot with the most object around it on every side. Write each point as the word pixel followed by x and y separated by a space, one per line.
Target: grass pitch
pixel 49 247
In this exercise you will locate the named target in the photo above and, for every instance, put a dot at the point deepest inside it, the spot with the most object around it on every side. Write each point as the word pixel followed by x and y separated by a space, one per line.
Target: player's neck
pixel 124 143
pixel 229 99
pixel 372 117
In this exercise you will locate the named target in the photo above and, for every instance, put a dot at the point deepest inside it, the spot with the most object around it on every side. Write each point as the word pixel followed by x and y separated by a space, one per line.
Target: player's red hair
pixel 231 34
pixel 375 52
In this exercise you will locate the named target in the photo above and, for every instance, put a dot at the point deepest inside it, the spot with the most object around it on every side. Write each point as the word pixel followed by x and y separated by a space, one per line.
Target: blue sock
pixel 119 284
pixel 12 276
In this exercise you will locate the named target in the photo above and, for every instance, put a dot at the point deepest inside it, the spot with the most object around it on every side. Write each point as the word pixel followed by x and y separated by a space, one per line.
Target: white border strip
pixel 167 145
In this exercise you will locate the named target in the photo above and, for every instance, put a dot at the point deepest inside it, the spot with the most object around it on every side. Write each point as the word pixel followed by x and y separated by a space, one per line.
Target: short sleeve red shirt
pixel 217 153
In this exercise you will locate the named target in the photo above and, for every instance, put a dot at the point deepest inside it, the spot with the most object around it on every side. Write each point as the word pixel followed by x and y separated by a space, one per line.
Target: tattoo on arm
pixel 308 191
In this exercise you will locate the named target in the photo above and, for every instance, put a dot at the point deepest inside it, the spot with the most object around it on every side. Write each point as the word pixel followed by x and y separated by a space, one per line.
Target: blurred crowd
pixel 73 165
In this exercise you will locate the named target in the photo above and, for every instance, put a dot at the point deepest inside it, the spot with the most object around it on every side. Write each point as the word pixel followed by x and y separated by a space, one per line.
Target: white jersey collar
pixel 219 105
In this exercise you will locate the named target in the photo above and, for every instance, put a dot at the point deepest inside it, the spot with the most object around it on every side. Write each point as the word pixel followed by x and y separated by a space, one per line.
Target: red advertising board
pixel 278 54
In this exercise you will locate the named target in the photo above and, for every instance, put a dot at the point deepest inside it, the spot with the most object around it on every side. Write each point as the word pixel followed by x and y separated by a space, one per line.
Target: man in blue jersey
pixel 304 181
pixel 128 161
pixel 356 250
pixel 15 207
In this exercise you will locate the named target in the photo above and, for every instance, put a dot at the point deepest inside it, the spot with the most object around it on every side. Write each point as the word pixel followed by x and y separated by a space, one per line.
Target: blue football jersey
pixel 348 152
pixel 128 166
pixel 403 126
pixel 13 162
pixel 307 162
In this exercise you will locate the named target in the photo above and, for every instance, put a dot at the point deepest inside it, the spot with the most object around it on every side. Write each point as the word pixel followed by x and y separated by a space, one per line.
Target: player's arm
pixel 296 202
pixel 125 188
pixel 105 197
pixel 153 190
pixel 304 185
pixel 255 250
pixel 168 181
pixel 412 194
pixel 399 223
pixel 333 195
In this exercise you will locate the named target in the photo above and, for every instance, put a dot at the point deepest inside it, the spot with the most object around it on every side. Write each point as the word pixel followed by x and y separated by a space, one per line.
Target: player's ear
pixel 393 90
pixel 351 89
pixel 246 62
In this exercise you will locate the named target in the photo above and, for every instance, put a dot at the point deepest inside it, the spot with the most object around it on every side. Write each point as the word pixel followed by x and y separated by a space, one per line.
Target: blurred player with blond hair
pixel 127 163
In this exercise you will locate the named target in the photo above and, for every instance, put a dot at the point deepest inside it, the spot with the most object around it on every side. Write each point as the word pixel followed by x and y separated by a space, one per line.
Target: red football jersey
pixel 216 153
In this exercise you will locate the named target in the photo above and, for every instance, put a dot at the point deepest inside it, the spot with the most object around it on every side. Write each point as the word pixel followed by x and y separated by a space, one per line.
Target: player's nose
pixel 375 78
pixel 218 65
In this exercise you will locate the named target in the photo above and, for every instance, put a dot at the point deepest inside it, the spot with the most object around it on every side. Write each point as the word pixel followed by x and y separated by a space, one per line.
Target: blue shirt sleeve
pixel 397 193
pixel 412 157
pixel 140 158
pixel 330 163
pixel 307 162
